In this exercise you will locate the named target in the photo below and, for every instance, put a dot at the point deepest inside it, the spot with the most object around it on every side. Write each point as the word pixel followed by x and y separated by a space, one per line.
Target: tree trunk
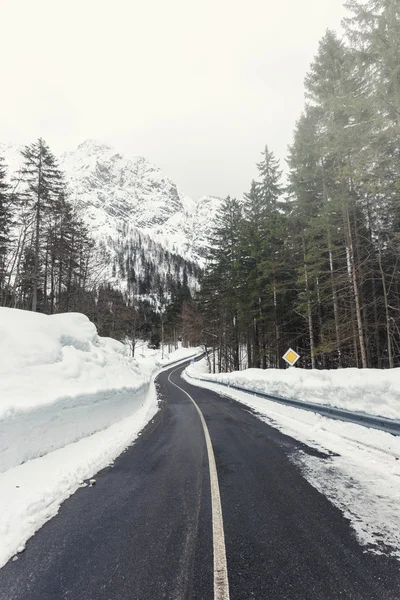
pixel 387 315
pixel 309 309
pixel 236 358
pixel 335 308
pixel 46 270
pixel 355 289
pixel 322 354
pixel 277 341
pixel 256 344
pixel 249 352
pixel 37 240
pixel 353 318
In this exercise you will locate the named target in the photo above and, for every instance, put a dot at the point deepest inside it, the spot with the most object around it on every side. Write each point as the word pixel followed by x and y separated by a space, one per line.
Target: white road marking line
pixel 221 585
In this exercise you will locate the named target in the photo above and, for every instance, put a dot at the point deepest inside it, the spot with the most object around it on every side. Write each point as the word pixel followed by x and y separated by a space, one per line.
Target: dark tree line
pixel 314 264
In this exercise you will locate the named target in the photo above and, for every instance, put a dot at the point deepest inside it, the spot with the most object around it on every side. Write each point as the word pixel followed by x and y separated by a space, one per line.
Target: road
pixel 146 530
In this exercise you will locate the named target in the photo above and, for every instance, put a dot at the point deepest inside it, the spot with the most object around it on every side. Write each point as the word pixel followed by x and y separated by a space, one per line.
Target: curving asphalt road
pixel 144 531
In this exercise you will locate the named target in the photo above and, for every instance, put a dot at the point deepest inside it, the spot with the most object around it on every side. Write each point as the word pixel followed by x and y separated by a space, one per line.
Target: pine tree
pixel 262 245
pixel 270 189
pixel 269 186
pixel 44 184
pixel 335 86
pixel 254 236
pixel 221 285
pixel 374 32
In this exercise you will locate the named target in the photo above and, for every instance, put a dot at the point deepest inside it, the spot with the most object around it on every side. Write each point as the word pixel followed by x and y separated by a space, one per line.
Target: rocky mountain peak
pixel 120 191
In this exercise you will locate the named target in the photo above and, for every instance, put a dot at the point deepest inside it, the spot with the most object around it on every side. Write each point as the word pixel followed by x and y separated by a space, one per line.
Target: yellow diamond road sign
pixel 291 357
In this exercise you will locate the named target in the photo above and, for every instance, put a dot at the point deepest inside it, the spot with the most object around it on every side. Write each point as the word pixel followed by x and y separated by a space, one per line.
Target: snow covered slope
pixel 12 157
pixel 202 223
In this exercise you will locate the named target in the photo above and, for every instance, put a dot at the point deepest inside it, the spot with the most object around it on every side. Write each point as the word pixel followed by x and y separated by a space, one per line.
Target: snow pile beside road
pixel 70 403
pixel 32 493
pixel 48 357
pixel 60 382
pixel 373 391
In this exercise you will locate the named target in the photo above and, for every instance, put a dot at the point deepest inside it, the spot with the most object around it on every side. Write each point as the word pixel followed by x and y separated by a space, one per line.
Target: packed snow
pixel 70 403
pixel 373 391
pixel 361 475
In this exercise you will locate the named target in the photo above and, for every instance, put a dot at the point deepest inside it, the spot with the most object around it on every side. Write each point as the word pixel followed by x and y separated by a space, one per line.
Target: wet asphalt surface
pixel 143 532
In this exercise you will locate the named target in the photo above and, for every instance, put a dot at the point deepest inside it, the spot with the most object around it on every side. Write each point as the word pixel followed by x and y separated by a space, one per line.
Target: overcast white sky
pixel 196 87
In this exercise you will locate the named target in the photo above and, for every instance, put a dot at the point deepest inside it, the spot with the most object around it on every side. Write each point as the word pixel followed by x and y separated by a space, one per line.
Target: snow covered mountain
pixel 146 230
pixel 122 193
pixel 117 189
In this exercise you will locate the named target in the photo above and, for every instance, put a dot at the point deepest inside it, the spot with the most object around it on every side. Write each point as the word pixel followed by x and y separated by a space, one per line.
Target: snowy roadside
pixel 361 475
pixel 32 493
pixel 373 391
pixel 70 403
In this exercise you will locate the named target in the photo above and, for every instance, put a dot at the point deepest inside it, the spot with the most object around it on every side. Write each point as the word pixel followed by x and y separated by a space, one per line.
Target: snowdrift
pixel 60 382
pixel 373 391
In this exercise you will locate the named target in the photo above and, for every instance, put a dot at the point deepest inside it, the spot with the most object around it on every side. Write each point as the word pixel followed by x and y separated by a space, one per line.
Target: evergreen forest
pixel 311 261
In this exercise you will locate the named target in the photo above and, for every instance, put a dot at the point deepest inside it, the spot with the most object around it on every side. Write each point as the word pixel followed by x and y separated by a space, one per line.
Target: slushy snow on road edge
pixel 70 403
pixel 362 475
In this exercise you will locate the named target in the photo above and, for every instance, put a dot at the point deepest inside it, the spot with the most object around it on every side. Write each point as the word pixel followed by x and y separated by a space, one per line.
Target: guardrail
pixel 359 418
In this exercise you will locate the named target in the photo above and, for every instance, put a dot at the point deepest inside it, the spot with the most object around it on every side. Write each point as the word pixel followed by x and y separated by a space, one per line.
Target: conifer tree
pixel 221 285
pixel 254 234
pixel 270 189
pixel 43 185
pixel 269 185
pixel 320 271
pixel 373 29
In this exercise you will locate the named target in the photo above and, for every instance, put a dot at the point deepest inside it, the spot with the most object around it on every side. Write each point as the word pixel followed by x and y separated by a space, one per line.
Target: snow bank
pixel 60 382
pixel 32 493
pixel 361 475
pixel 70 402
pixel 48 357
pixel 372 391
